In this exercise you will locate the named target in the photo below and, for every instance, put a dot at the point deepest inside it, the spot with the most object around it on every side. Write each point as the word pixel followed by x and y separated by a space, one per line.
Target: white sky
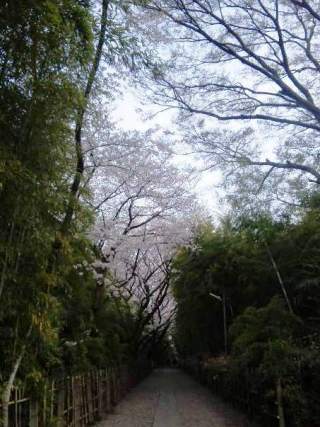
pixel 130 114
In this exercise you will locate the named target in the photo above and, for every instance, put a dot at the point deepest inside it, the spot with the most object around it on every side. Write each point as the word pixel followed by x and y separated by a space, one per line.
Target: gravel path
pixel 170 398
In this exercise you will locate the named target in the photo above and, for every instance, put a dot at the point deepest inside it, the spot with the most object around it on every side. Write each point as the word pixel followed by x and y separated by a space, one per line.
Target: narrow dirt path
pixel 170 398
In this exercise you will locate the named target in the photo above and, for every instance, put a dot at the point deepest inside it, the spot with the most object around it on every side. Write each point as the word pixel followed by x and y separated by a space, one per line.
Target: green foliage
pixel 266 341
pixel 261 336
pixel 52 310
pixel 266 347
pixel 39 96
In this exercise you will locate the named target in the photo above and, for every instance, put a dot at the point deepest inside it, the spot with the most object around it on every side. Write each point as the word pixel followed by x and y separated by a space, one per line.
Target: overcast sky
pixel 130 114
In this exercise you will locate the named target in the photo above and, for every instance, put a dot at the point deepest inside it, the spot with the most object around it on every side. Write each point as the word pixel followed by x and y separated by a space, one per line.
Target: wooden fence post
pixel 281 418
pixel 73 401
pixel 108 391
pixel 34 414
pixel 60 406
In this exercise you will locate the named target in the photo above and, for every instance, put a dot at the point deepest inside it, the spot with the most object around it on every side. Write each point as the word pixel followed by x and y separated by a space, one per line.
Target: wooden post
pixel 281 418
pixel 34 410
pixel 60 406
pixel 108 391
pixel 225 331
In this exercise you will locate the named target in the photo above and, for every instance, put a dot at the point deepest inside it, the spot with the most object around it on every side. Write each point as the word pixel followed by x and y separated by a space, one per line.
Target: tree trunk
pixel 75 187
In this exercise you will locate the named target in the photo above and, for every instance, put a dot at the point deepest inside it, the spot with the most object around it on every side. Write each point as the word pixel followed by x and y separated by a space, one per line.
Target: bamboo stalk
pixel 282 285
pixel 8 387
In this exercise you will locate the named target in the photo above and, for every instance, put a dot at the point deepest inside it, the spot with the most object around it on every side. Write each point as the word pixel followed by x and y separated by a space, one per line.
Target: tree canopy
pixel 106 250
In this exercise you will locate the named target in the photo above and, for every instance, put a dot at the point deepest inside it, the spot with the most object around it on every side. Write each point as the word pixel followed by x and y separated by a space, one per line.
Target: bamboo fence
pixel 73 401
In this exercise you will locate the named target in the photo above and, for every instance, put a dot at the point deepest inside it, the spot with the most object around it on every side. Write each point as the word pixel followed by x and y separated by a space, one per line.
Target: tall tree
pixel 273 42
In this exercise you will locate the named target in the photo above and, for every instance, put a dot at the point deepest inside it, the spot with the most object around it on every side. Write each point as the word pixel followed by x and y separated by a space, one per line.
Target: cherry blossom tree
pixel 144 211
